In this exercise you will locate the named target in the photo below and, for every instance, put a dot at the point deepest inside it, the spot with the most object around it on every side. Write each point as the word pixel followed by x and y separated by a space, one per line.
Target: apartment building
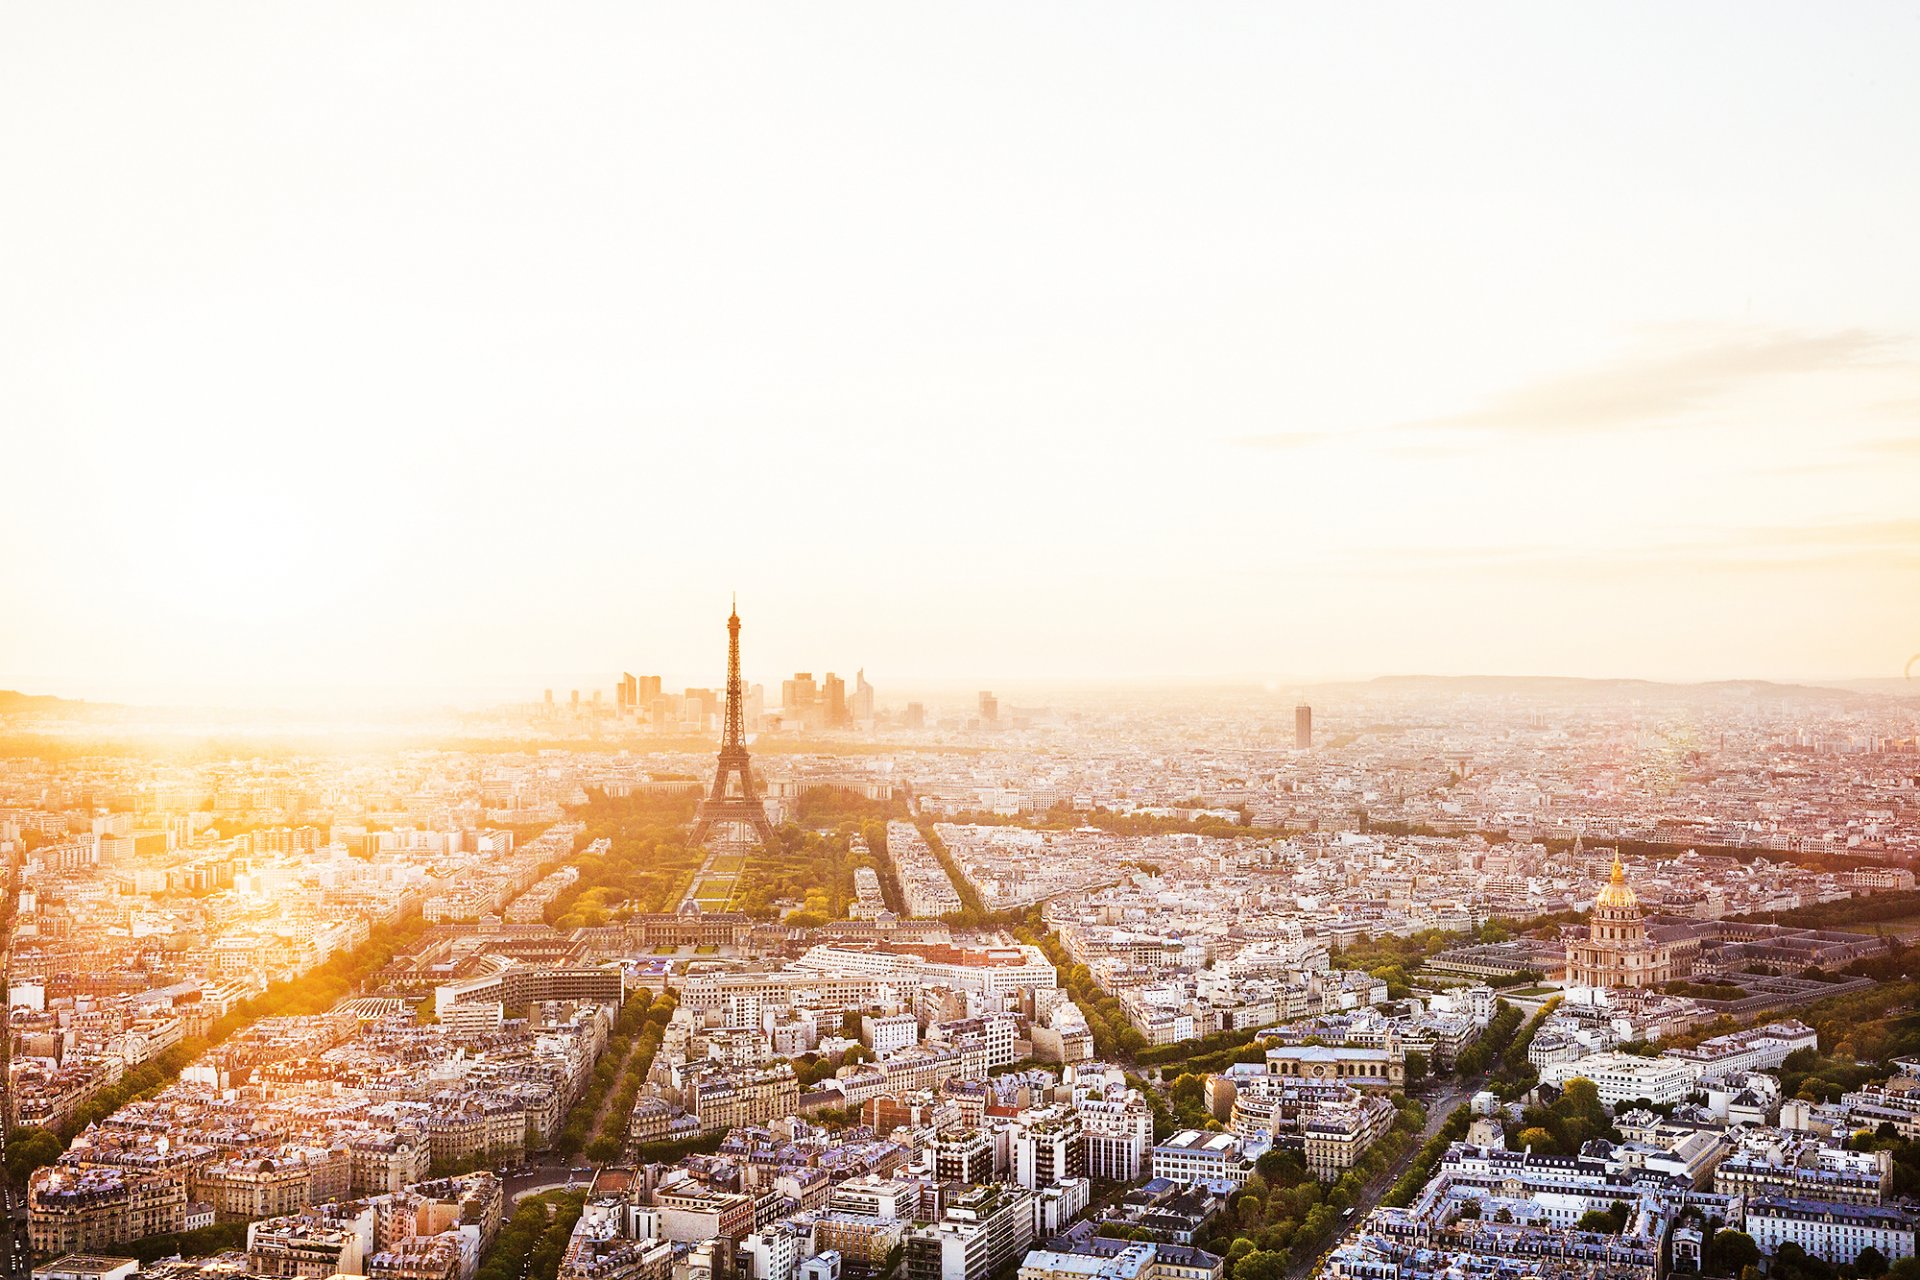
pixel 983 1232
pixel 1621 1078
pixel 1830 1230
pixel 90 1210
pixel 1196 1155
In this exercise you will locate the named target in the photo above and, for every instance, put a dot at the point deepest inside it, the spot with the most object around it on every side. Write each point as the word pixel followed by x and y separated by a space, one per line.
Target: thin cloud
pixel 1650 389
pixel 1904 534
pixel 1279 441
pixel 1874 543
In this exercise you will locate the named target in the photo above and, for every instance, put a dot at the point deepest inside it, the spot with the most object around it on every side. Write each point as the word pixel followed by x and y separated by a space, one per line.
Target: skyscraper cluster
pixel 825 704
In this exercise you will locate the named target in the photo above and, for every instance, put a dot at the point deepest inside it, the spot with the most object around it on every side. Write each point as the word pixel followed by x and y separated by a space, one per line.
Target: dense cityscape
pixel 872 640
pixel 1419 979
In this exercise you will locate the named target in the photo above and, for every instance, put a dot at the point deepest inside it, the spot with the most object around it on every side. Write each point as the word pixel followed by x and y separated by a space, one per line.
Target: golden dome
pixel 1617 895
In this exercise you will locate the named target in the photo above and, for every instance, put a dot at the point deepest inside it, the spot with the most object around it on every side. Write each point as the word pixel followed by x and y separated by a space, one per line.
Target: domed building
pixel 1617 951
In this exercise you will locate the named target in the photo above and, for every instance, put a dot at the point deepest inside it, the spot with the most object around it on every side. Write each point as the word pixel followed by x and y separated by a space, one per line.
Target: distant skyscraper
pixel 699 705
pixel 645 690
pixel 1303 727
pixel 833 691
pixel 862 697
pixel 989 707
pixel 629 692
pixel 798 694
pixel 916 715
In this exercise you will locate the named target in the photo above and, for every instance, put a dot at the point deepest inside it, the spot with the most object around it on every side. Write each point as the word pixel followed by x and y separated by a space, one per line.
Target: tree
pixel 28 1149
pixel 1398 988
pixel 1281 1167
pixel 1262 1264
pixel 1416 1067
pixel 1537 1138
pixel 1789 1259
pixel 1733 1250
pixel 1870 1262
pixel 1609 1221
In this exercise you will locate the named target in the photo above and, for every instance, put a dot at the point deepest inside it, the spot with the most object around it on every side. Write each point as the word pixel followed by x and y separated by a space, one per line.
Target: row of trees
pixel 1114 1035
pixel 597 1121
pixel 1734 1253
pixel 1067 818
pixel 1283 1212
pixel 1215 1052
pixel 973 913
pixel 532 1242
pixel 830 806
pixel 1514 1076
pixel 1409 1183
pixel 1493 1044
pixel 316 991
pixel 1846 911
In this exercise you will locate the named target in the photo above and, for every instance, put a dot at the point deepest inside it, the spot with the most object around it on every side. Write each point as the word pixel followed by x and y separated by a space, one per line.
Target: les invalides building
pixel 1617 951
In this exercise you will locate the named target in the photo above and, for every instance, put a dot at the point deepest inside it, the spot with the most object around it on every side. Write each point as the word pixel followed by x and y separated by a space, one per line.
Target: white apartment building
pixel 890 1034
pixel 1195 1155
pixel 1829 1230
pixel 1623 1077
pixel 1756 1049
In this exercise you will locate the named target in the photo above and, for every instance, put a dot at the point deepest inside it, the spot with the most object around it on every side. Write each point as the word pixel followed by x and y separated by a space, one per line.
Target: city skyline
pixel 902 642
pixel 1248 351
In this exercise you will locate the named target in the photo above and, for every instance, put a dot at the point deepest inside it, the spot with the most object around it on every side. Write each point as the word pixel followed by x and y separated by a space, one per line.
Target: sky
pixel 465 349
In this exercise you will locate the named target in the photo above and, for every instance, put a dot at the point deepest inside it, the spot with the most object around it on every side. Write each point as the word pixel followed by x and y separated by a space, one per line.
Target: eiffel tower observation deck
pixel 731 812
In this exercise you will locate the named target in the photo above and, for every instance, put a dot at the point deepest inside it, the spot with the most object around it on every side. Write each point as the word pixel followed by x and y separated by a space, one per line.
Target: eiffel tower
pixel 733 806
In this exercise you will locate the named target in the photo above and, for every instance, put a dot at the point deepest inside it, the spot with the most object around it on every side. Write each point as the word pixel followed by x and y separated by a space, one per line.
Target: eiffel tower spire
pixel 733 802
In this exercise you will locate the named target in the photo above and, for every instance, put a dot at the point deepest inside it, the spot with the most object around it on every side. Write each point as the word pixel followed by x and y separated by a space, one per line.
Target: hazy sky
pixel 476 347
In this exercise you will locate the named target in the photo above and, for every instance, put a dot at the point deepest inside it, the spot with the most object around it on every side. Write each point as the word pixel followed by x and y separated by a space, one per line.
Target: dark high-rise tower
pixel 1303 727
pixel 733 803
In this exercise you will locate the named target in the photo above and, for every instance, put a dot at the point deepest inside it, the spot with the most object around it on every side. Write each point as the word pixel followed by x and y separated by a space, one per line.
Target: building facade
pixel 1617 951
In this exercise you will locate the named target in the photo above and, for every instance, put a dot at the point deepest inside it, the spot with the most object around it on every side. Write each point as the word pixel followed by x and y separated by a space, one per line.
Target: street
pixel 1438 1109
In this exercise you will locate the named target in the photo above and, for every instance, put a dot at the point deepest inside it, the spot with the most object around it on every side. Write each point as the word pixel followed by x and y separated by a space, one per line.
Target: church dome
pixel 1617 895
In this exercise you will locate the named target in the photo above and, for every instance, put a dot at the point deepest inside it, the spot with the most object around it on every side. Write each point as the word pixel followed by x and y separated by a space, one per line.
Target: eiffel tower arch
pixel 731 811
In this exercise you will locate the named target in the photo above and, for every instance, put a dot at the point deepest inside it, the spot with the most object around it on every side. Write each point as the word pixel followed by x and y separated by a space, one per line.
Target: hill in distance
pixel 13 702
pixel 1582 689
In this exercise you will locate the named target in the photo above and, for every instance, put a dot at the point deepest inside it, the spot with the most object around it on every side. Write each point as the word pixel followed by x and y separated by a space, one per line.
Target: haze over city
pixel 417 352
pixel 892 641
